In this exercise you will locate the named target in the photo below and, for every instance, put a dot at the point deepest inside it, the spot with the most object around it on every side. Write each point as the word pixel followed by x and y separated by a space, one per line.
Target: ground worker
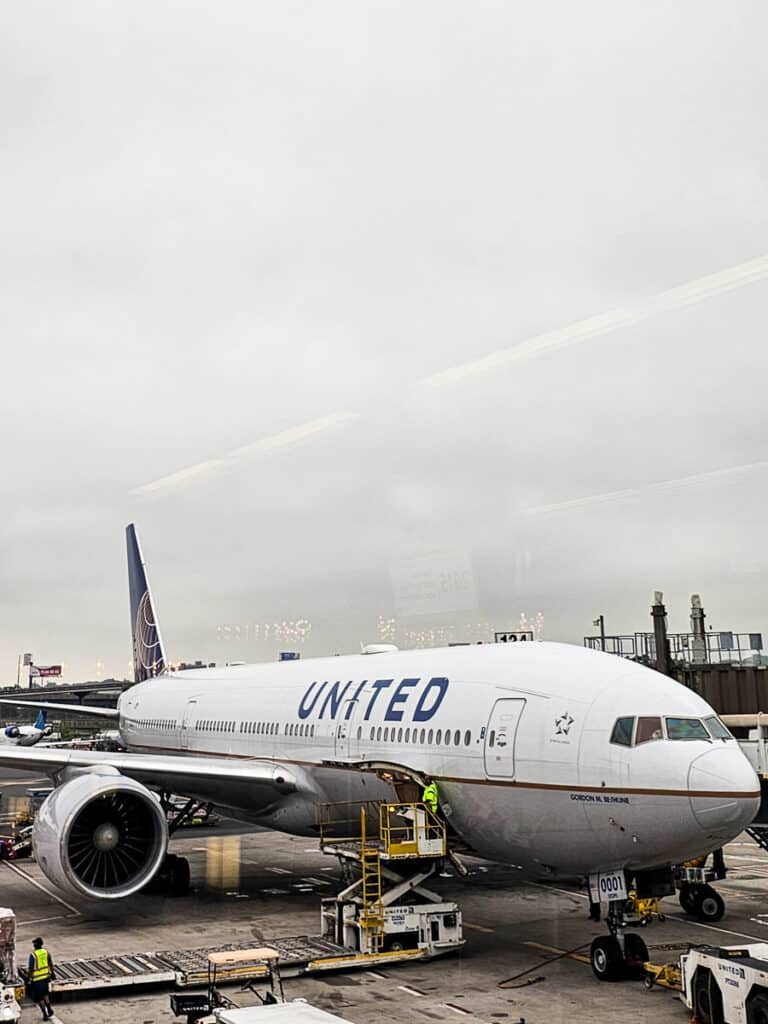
pixel 429 796
pixel 40 974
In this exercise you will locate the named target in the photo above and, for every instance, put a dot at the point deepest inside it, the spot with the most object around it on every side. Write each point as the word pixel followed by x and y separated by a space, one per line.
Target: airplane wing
pixel 206 777
pixel 83 709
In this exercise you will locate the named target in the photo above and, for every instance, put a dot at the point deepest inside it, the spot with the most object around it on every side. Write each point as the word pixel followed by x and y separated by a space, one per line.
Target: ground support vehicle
pixel 726 984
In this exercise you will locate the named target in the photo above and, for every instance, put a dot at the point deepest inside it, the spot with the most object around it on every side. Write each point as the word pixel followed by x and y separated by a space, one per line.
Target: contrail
pixel 583 330
pixel 291 436
pixel 675 298
pixel 635 492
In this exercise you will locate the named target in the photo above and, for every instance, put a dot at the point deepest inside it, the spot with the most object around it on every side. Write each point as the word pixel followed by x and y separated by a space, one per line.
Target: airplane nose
pixel 724 791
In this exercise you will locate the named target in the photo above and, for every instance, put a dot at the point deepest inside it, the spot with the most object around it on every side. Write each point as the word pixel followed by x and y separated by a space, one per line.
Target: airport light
pixel 600 621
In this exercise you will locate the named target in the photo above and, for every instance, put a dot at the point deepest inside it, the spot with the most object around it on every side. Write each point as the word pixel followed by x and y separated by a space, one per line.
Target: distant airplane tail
pixel 148 651
pixel 40 720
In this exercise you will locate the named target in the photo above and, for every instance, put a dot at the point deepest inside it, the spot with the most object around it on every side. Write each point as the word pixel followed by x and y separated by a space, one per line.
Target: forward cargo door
pixel 345 744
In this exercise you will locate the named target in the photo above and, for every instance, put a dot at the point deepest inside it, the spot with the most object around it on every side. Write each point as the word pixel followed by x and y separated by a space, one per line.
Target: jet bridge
pixel 751 732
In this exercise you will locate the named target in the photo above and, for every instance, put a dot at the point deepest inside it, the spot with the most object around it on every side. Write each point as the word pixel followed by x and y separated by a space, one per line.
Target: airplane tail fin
pixel 40 720
pixel 148 651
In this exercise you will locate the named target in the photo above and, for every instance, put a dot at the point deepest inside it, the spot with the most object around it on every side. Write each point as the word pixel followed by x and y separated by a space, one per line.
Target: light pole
pixel 600 621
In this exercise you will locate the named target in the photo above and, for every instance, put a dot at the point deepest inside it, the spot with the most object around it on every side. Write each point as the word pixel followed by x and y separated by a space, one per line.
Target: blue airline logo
pixel 402 698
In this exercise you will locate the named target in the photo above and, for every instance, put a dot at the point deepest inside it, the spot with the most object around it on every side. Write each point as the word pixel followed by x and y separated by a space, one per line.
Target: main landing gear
pixel 620 954
pixel 702 901
pixel 173 877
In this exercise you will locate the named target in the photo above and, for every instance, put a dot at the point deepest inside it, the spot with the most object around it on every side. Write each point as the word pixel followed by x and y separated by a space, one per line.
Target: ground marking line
pixel 41 920
pixel 411 991
pixel 712 928
pixel 670 917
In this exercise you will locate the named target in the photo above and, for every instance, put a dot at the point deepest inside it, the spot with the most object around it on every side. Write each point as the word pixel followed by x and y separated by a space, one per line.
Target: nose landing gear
pixel 620 954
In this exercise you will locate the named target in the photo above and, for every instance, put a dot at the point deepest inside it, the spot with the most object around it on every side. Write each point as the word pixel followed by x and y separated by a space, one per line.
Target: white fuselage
pixel 518 740
pixel 21 735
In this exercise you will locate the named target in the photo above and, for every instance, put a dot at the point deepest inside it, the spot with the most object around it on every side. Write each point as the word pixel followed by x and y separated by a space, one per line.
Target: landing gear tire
pixel 709 905
pixel 635 956
pixel 173 877
pixel 178 881
pixel 687 897
pixel 606 958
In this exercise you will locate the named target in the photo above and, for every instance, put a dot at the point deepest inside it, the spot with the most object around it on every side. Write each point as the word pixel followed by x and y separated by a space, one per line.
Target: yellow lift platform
pixel 397 847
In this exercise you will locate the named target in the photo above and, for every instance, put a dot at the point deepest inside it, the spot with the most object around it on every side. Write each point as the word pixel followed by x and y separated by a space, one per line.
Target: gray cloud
pixel 229 230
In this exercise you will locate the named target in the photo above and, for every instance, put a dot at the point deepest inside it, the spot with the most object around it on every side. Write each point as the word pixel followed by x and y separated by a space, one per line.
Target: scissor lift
pixel 396 848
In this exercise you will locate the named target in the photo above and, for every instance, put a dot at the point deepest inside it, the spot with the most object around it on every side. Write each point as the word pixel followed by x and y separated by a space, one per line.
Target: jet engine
pixel 100 835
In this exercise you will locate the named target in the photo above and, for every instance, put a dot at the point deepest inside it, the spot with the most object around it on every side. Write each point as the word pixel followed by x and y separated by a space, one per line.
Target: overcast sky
pixel 241 243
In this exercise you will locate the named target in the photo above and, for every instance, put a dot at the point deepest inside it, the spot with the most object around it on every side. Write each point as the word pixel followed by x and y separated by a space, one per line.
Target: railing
pixel 410 830
pixel 342 822
pixel 399 830
pixel 710 648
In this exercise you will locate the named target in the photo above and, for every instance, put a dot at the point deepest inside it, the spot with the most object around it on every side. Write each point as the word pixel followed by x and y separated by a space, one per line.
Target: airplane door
pixel 344 745
pixel 500 737
pixel 186 723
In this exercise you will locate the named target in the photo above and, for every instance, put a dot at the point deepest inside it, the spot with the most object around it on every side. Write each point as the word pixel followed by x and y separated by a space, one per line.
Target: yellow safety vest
pixel 41 969
pixel 429 796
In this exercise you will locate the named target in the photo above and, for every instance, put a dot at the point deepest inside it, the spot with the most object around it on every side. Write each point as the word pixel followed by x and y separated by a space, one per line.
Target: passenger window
pixel 491 737
pixel 648 729
pixel 359 731
pixel 717 729
pixel 429 736
pixel 467 738
pixel 386 735
pixel 622 732
pixel 378 734
pixel 373 731
pixel 686 729
pixel 423 736
pixel 407 735
pixel 439 737
pixel 456 738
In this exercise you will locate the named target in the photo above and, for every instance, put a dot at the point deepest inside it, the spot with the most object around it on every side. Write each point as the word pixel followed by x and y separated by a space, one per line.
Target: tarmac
pixel 253 886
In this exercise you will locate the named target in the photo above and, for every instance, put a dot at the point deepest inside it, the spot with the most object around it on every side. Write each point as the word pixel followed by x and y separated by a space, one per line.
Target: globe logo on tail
pixel 147 649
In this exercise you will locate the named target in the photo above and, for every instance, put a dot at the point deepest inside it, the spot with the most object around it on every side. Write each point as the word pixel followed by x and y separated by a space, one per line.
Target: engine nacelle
pixel 100 835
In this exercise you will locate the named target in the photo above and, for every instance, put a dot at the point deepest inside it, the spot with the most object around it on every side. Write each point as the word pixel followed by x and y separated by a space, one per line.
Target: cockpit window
pixel 648 729
pixel 622 732
pixel 717 729
pixel 686 729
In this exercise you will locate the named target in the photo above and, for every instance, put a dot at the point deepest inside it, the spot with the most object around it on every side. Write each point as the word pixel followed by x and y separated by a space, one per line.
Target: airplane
pixel 26 735
pixel 558 759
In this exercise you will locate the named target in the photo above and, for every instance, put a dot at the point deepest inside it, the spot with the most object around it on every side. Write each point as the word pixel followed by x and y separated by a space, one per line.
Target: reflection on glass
pixel 222 862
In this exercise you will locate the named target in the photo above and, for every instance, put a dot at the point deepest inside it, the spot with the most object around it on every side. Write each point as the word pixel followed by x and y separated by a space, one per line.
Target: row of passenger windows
pixel 423 736
pixel 303 729
pixel 254 728
pixel 630 732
